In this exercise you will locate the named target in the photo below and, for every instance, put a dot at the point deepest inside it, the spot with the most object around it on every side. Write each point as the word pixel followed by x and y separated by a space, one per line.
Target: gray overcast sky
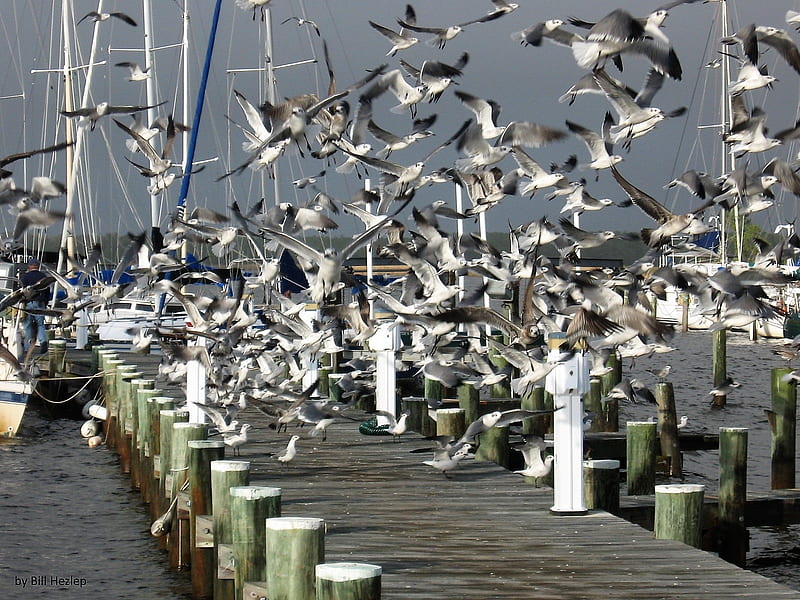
pixel 525 81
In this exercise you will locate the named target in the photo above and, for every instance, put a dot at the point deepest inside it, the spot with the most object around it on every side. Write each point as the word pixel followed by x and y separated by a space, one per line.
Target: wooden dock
pixel 483 534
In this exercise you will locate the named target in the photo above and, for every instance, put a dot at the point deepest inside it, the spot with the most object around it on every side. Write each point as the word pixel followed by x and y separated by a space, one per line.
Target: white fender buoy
pixel 90 428
pixel 87 406
pixel 95 441
pixel 98 412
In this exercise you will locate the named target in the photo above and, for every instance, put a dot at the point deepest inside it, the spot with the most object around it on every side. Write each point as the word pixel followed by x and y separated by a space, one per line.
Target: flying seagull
pixel 94 113
pixel 98 16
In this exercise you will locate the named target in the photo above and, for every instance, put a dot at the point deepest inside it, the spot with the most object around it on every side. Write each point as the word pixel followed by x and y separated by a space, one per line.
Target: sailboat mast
pixel 728 159
pixel 67 245
pixel 150 91
pixel 271 90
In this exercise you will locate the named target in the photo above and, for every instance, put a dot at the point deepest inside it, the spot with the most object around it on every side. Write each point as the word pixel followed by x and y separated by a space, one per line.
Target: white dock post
pixel 567 383
pixel 385 342
pixel 196 386
pixel 82 330
pixel 310 314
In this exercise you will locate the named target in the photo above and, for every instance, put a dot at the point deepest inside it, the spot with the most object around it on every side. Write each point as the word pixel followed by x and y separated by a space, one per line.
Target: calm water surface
pixel 69 514
pixel 71 526
pixel 774 551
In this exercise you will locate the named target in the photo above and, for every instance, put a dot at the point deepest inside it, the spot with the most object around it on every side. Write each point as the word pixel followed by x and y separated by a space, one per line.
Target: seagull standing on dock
pixel 446 460
pixel 237 440
pixel 290 452
pixel 397 426
pixel 535 465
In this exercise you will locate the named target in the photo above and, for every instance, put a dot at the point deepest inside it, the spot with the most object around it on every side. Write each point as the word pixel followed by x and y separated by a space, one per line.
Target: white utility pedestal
pixel 385 342
pixel 567 383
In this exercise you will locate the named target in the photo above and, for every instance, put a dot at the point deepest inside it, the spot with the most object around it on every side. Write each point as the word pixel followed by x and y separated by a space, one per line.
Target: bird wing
pixel 131 109
pixel 647 203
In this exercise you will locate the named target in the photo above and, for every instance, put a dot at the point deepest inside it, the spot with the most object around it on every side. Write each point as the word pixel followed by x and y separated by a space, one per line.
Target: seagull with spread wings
pixel 669 223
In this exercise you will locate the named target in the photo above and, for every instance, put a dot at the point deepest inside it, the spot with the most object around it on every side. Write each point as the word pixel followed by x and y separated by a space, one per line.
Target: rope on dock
pixel 71 397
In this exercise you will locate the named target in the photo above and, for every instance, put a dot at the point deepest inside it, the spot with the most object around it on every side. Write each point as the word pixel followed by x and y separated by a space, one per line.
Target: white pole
pixel 196 386
pixel 150 95
pixel 309 315
pixel 567 383
pixel 460 232
pixel 369 254
pixel 385 342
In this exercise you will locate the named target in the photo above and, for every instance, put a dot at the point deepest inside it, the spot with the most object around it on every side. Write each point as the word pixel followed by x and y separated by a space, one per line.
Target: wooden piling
pixel 593 402
pixel 434 390
pixel 614 376
pixel 111 364
pixel 733 541
pixel 417 409
pixel 144 442
pixel 334 391
pixel 434 393
pixel 783 425
pixel 719 357
pixel 167 418
pixel 668 426
pixel 201 544
pixel 295 546
pixel 132 426
pixel 533 399
pixel 468 399
pixel 641 457
pixel 56 357
pixel 154 407
pixel 123 389
pixel 450 422
pixel 684 301
pixel 601 485
pixel 501 389
pixel 493 446
pixel 678 514
pixel 178 541
pixel 323 387
pixel 250 507
pixel 348 581
pixel 225 474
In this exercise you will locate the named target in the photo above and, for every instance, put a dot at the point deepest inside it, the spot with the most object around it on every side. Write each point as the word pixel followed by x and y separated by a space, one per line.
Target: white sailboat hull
pixel 13 400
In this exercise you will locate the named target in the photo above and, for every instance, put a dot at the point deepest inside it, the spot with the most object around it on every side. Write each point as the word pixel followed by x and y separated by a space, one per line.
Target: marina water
pixel 73 528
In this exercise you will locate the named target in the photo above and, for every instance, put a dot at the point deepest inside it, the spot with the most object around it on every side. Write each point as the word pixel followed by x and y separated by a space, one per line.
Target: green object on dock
pixel 641 444
pixel 295 546
pixel 679 512
pixel 348 581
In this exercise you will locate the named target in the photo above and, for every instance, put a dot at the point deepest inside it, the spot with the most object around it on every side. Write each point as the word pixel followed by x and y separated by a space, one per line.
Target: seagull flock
pixel 262 360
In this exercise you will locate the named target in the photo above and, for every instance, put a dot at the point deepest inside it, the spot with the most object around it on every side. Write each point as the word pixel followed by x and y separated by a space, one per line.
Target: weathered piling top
pixel 483 534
